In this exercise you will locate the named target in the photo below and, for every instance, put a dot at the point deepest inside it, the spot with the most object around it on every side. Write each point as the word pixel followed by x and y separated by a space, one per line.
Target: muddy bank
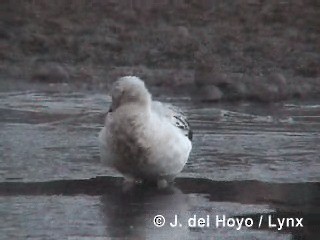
pixel 222 50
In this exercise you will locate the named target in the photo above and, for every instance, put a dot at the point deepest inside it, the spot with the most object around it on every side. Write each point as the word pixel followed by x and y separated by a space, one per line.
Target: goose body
pixel 143 139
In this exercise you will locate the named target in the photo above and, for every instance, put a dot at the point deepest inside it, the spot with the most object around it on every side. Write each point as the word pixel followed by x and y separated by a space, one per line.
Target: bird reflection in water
pixel 130 212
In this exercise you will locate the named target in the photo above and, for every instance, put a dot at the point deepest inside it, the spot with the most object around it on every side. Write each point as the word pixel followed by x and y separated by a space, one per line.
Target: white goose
pixel 143 139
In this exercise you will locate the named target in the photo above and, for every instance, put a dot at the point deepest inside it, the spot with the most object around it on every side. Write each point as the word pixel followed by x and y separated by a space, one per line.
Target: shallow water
pixel 248 160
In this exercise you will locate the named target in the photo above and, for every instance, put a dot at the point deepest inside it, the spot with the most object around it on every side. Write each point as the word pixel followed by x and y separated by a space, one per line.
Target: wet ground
pixel 253 162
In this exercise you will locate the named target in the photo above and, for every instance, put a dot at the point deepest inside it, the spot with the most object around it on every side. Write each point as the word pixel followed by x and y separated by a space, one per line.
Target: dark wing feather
pixel 176 116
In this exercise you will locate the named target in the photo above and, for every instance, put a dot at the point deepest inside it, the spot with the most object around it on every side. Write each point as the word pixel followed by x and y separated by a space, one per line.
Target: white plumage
pixel 143 139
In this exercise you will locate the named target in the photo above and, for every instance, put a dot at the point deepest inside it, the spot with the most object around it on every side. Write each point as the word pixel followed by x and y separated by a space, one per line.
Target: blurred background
pixel 213 50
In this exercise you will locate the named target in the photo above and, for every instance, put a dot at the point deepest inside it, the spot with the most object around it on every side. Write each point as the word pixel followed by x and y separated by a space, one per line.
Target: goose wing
pixel 174 115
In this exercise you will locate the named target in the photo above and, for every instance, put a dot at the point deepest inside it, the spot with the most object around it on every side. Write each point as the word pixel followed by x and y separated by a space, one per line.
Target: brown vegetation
pixel 254 49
